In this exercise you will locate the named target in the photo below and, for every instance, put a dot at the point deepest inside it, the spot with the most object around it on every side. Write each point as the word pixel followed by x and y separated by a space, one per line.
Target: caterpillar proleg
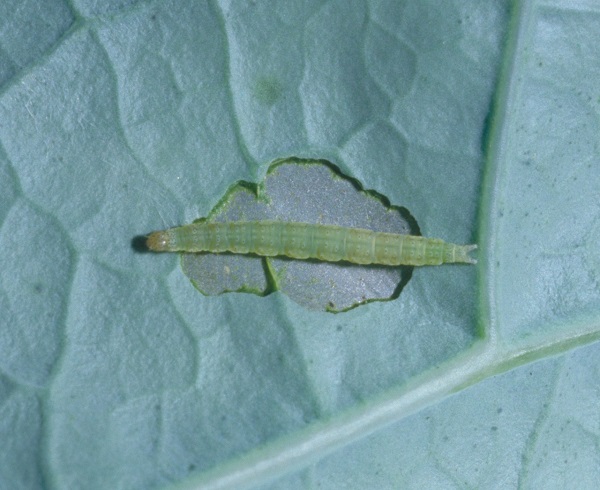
pixel 329 243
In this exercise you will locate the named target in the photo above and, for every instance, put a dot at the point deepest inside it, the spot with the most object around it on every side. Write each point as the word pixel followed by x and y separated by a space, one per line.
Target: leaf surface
pixel 122 117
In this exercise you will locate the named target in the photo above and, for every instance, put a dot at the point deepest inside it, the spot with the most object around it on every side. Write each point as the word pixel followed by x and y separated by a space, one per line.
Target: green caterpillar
pixel 309 241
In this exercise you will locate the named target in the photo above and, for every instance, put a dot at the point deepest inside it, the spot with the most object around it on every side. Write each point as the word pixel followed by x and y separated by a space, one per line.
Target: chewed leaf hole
pixel 306 191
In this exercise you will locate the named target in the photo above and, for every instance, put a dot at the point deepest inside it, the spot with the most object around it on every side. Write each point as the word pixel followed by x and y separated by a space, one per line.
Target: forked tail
pixel 462 254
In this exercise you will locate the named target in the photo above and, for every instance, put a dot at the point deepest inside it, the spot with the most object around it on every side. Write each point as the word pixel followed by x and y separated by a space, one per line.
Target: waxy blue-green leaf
pixel 120 117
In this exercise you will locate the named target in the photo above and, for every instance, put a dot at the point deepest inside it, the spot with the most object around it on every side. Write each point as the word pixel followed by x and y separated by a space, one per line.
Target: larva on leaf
pixel 329 243
pixel 309 231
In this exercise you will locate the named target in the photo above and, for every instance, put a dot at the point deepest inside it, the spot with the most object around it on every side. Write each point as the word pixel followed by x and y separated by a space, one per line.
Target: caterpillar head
pixel 159 241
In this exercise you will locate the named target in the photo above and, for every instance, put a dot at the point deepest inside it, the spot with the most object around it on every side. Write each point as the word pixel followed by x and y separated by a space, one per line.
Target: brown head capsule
pixel 159 241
